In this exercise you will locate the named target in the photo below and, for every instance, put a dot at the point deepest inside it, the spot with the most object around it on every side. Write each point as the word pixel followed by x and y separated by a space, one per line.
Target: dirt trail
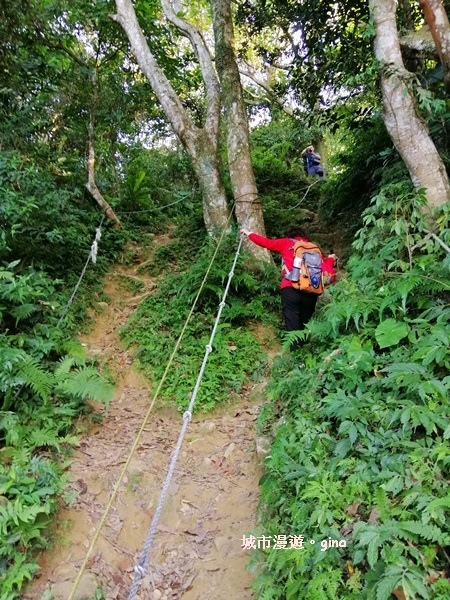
pixel 211 503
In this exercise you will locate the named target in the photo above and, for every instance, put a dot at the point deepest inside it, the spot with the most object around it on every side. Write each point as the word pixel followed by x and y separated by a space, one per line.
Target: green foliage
pixel 361 160
pixel 161 184
pixel 362 452
pixel 47 223
pixel 44 382
pixel 329 43
pixel 284 187
pixel 27 500
pixel 237 355
pixel 36 207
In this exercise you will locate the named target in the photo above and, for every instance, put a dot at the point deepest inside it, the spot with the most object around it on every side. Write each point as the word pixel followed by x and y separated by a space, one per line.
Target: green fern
pixel 85 383
pixel 19 572
pixel 64 367
pixel 17 511
pixel 23 311
pixel 44 438
pixel 34 375
pixel 21 456
pixel 324 585
pixel 429 532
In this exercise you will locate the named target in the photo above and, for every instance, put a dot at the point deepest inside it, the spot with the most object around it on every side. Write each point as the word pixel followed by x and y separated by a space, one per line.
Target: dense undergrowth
pixel 238 355
pixel 361 422
pixel 361 455
pixel 45 377
pixel 44 383
pixel 47 228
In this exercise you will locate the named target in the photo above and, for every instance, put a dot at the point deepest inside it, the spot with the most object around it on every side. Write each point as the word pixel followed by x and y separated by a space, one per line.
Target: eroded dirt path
pixel 211 503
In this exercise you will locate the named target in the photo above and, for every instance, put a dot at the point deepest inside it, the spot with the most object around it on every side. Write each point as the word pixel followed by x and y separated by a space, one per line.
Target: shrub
pixel 363 452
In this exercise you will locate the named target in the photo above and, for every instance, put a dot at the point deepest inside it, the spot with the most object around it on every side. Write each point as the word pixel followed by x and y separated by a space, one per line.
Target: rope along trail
pixel 146 417
pixel 93 256
pixel 140 568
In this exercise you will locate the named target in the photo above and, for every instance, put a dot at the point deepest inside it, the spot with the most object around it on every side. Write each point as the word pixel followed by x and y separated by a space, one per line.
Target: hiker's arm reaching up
pixel 260 240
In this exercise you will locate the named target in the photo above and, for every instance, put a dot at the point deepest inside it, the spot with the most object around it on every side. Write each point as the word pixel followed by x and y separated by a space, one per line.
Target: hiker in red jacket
pixel 297 306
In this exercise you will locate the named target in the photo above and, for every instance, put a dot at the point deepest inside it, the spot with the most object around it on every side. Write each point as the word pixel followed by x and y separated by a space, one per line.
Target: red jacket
pixel 284 247
pixel 328 270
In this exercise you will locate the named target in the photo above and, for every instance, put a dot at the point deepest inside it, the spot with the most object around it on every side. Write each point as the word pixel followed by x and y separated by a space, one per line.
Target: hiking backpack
pixel 312 160
pixel 306 274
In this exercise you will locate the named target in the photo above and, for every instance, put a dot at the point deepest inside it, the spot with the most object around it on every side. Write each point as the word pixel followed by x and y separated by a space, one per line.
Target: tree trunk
pixel 201 144
pixel 91 184
pixel 439 25
pixel 407 129
pixel 248 206
pixel 205 162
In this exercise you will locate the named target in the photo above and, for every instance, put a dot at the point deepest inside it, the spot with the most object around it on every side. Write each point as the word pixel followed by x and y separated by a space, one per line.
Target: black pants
pixel 298 307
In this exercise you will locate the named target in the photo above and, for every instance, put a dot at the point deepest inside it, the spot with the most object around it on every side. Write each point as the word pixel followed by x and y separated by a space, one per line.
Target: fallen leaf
pixel 434 576
pixel 373 517
pixel 352 510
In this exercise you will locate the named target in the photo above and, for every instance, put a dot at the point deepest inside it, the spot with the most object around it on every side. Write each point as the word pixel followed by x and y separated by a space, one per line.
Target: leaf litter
pixel 211 504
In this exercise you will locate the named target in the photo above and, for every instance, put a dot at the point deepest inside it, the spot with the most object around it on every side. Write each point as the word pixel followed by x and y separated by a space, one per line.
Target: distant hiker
pixel 302 270
pixel 312 161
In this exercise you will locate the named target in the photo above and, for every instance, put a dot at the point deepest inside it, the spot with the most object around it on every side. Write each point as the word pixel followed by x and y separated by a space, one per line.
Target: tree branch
pixel 91 186
pixel 250 72
pixel 201 50
pixel 167 97
pixel 68 51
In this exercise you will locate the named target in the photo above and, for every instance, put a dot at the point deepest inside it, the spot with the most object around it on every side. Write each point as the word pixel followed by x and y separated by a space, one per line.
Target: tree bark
pixel 91 184
pixel 407 129
pixel 248 206
pixel 201 143
pixel 439 25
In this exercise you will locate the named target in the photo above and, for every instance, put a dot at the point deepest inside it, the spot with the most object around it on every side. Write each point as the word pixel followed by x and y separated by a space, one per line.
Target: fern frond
pixel 429 532
pixel 44 438
pixel 64 366
pixel 8 275
pixel 86 383
pixel 75 350
pixel 21 456
pixel 36 377
pixel 23 311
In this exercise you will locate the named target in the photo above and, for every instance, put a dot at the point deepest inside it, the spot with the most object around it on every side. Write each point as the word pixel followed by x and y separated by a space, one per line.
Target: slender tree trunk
pixel 248 206
pixel 321 149
pixel 200 143
pixel 439 25
pixel 91 184
pixel 319 144
pixel 407 129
